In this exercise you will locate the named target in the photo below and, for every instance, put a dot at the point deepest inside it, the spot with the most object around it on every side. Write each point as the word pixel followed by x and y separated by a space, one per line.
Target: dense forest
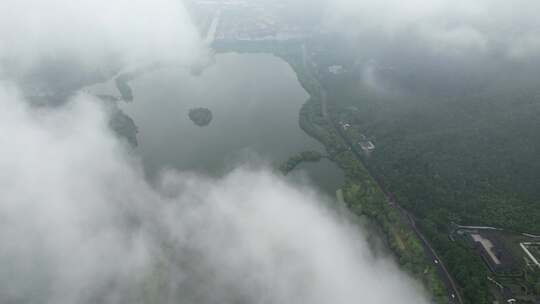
pixel 474 158
pixel 466 156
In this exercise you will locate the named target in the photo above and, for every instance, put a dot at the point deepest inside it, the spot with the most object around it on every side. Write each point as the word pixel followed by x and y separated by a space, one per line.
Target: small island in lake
pixel 200 116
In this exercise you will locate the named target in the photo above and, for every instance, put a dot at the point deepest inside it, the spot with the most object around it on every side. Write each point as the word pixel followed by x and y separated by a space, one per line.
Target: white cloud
pixel 525 47
pixel 79 224
pixel 94 31
pixel 454 41
pixel 469 27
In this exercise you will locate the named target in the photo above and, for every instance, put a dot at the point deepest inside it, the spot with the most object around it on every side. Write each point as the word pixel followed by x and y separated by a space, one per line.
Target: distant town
pixel 245 20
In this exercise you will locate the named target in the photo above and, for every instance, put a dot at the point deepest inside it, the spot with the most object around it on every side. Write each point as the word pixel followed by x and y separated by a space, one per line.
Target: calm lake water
pixel 255 100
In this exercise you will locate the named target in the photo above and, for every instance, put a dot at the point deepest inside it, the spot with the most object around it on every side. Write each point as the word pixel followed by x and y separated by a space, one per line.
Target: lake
pixel 255 101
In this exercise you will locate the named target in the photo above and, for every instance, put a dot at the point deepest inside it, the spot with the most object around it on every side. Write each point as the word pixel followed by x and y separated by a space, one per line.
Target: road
pixel 454 295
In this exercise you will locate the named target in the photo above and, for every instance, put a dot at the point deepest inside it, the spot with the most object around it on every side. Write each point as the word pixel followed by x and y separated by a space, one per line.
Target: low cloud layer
pixel 79 224
pixel 445 27
pixel 95 33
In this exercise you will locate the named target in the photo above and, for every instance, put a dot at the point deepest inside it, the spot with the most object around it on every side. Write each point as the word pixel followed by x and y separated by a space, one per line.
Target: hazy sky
pixel 446 27
pixel 94 32
pixel 443 47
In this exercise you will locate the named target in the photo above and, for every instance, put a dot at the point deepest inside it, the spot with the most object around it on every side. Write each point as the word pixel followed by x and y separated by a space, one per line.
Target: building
pixel 367 146
pixel 497 258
